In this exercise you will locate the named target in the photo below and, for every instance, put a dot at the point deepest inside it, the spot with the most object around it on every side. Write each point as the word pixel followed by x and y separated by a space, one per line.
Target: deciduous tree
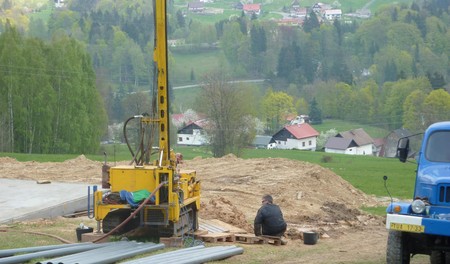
pixel 276 107
pixel 230 126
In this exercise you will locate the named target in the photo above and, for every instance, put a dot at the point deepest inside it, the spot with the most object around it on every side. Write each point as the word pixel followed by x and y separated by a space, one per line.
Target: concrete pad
pixel 27 200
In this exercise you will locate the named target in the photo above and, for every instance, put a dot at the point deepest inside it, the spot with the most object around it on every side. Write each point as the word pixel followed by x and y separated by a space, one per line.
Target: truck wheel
pixel 437 257
pixel 397 251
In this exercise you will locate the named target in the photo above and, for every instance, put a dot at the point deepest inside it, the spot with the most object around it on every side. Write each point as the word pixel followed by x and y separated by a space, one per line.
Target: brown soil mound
pixel 310 196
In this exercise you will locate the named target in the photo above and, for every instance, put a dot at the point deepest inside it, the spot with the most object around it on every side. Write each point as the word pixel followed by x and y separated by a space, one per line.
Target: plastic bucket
pixel 81 231
pixel 310 238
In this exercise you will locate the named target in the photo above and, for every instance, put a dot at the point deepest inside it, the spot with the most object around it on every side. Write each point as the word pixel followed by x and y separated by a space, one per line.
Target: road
pixel 238 81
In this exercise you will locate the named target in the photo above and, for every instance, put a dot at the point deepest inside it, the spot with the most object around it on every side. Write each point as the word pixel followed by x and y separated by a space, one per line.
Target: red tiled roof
pixel 252 7
pixel 300 131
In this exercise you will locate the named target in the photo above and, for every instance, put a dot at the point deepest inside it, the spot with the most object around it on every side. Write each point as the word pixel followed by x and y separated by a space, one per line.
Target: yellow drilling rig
pixel 172 196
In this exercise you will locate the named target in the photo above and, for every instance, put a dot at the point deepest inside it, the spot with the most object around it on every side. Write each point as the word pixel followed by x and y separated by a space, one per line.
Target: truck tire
pixel 397 251
pixel 439 257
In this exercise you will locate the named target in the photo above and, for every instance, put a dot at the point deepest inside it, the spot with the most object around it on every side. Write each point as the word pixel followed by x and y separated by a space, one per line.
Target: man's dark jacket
pixel 270 218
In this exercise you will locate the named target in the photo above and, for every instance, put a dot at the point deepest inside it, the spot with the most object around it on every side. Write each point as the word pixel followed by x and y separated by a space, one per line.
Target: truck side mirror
pixel 403 149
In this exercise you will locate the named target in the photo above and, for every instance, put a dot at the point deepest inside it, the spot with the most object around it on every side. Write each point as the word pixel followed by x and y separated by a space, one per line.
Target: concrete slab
pixel 26 200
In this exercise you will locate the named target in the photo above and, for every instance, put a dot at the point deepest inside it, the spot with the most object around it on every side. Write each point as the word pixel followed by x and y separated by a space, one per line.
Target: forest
pixel 68 72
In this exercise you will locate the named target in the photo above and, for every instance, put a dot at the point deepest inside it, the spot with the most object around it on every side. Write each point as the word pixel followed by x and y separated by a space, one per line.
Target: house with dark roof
pixel 340 145
pixel 352 142
pixel 299 136
pixel 295 5
pixel 192 134
pixel 263 142
pixel 196 7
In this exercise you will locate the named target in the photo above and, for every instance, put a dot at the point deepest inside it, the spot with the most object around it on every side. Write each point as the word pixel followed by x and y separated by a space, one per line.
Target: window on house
pixel 187 138
pixel 180 139
pixel 303 144
pixel 310 142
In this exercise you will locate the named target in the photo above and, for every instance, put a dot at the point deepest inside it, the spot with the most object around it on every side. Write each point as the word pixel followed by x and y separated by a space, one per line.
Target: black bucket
pixel 83 231
pixel 310 238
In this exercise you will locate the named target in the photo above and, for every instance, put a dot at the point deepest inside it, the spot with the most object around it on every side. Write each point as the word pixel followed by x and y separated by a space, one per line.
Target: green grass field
pixel 183 63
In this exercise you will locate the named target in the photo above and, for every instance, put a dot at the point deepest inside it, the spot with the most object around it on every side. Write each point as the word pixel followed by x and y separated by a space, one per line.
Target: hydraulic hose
pixel 126 137
pixel 132 215
pixel 138 161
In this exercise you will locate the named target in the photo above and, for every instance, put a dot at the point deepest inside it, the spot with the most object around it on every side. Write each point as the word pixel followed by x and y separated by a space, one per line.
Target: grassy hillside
pixel 183 63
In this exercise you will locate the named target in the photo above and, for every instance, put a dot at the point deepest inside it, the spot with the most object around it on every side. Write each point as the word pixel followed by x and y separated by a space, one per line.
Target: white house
pixel 192 134
pixel 298 136
pixel 353 142
pixel 341 146
pixel 332 14
pixel 59 3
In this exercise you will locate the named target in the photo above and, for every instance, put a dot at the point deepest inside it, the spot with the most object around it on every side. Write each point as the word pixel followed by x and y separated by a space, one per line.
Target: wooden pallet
pixel 217 237
pixel 171 241
pixel 252 239
pixel 276 241
pixel 249 239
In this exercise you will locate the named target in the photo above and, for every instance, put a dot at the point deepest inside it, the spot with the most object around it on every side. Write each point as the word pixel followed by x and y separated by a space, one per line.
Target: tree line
pixel 49 101
pixel 355 70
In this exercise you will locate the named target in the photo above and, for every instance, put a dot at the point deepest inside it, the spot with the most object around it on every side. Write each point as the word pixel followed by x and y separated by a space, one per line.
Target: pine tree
pixel 315 114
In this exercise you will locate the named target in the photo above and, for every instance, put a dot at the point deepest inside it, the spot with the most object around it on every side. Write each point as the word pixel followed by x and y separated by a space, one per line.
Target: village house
pixel 193 134
pixel 332 14
pixel 176 42
pixel 320 7
pixel 352 142
pixel 250 9
pixel 59 3
pixel 263 142
pixel 196 7
pixel 295 5
pixel 299 136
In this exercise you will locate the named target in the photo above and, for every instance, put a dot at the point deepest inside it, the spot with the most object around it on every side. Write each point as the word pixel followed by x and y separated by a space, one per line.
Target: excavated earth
pixel 311 197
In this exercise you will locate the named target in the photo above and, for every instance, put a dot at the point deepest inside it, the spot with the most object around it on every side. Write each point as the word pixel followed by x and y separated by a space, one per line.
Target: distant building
pixel 295 5
pixel 299 136
pixel 340 145
pixel 353 142
pixel 252 9
pixel 59 3
pixel 196 7
pixel 263 142
pixel 332 14
pixel 193 134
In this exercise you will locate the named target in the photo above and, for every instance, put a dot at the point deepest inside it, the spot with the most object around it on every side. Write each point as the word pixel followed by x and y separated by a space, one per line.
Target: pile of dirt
pixel 310 196
pixel 79 169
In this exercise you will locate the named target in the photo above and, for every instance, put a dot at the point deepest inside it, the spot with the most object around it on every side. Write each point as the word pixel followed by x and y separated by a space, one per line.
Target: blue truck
pixel 423 225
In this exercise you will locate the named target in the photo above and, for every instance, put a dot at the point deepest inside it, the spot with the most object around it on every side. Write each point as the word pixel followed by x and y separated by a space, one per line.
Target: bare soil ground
pixel 311 197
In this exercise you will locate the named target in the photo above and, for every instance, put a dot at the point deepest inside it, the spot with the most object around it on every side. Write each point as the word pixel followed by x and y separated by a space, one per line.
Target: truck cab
pixel 423 225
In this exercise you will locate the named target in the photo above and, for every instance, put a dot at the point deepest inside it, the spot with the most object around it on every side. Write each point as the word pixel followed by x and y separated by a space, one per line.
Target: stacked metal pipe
pixel 198 254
